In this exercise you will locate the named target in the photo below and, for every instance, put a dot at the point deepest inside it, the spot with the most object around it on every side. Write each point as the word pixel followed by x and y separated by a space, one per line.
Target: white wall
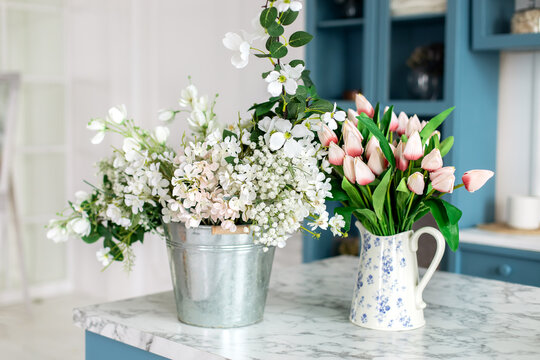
pixel 518 152
pixel 140 53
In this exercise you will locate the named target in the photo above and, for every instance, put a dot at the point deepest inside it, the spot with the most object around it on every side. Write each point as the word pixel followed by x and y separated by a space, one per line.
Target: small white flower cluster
pixel 288 190
pixel 202 119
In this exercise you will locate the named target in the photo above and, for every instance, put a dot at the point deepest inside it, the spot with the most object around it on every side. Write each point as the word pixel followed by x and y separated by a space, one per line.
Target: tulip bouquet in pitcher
pixel 389 172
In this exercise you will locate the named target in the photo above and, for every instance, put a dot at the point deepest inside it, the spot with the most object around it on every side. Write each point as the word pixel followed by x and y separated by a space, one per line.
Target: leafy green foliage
pixel 288 17
pixel 268 17
pixel 300 38
pixel 433 124
pixel 278 50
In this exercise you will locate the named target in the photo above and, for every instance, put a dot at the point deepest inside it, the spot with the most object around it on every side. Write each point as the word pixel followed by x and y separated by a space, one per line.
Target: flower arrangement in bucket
pixel 389 173
pixel 229 195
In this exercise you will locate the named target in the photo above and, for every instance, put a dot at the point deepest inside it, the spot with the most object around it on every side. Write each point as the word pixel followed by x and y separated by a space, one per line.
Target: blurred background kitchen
pixel 77 58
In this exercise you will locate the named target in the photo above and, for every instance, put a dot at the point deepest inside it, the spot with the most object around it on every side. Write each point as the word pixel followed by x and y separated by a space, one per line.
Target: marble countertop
pixel 491 238
pixel 307 318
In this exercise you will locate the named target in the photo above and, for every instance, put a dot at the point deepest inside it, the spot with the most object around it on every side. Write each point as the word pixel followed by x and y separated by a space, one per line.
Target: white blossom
pixel 330 118
pixel 287 78
pixel 284 5
pixel 104 256
pixel 241 45
pixel 117 114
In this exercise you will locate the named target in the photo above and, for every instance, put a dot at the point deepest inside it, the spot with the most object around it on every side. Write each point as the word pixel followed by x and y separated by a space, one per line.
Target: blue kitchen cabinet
pixel 498 263
pixel 369 54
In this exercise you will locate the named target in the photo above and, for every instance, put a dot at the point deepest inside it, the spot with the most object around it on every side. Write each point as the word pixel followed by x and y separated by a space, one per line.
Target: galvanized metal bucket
pixel 220 279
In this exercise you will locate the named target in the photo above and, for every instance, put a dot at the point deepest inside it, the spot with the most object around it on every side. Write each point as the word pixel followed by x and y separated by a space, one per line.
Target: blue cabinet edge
pixel 98 347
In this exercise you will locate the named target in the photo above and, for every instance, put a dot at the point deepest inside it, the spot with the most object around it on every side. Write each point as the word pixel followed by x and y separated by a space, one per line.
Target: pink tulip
pixel 432 161
pixel 423 123
pixel 475 179
pixel 415 183
pixel 377 163
pixel 394 122
pixel 413 148
pixel 326 136
pixel 401 163
pixel 372 144
pixel 364 175
pixel 335 154
pixel 351 115
pixel 413 125
pixel 353 145
pixel 442 172
pixel 348 168
pixel 403 120
pixel 364 106
pixel 444 183
pixel 349 127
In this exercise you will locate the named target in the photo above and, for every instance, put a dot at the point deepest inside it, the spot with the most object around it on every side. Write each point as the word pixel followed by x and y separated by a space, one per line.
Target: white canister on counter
pixel 524 212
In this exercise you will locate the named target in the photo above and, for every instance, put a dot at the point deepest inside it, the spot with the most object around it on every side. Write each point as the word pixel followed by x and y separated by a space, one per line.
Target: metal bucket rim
pixel 183 245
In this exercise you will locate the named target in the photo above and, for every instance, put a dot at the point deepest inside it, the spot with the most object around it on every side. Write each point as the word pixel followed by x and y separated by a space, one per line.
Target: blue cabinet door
pixel 102 348
pixel 517 266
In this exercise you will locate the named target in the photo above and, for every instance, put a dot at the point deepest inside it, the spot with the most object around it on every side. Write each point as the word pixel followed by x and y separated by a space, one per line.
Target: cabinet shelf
pixel 419 17
pixel 340 23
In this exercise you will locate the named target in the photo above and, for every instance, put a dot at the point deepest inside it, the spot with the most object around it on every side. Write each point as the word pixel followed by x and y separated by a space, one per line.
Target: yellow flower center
pixel 282 78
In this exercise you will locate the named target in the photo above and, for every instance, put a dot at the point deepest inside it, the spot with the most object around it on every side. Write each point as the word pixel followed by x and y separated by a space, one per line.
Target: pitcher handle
pixel 441 243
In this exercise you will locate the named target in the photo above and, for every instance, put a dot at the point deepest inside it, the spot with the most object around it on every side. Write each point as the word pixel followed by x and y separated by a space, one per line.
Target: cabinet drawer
pixel 504 264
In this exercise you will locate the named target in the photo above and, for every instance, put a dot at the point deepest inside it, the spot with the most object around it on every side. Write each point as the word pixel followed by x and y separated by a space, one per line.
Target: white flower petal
pixel 291 86
pixel 276 141
pixel 238 61
pixel 296 5
pixel 283 125
pixel 300 131
pixel 232 41
pixel 98 138
pixel 292 148
pixel 274 88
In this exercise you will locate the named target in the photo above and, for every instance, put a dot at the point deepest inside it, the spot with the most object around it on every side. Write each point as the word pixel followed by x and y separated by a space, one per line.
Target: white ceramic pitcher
pixel 388 295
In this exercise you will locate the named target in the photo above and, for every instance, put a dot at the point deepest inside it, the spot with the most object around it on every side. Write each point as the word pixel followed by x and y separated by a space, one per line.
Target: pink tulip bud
pixel 423 123
pixel 475 179
pixel 353 145
pixel 335 154
pixel 364 106
pixel 349 127
pixel 363 174
pixel 403 120
pixel 377 163
pixel 326 136
pixel 413 125
pixel 394 122
pixel 401 163
pixel 435 133
pixel 445 171
pixel 351 115
pixel 348 168
pixel 372 144
pixel 413 148
pixel 415 183
pixel 444 183
pixel 432 161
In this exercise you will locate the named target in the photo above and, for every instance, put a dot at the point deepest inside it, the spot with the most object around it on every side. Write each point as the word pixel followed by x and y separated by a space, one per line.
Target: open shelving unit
pixel 491 28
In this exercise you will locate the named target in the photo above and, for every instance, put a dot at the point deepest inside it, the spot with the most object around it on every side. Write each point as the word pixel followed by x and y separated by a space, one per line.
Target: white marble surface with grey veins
pixel 307 318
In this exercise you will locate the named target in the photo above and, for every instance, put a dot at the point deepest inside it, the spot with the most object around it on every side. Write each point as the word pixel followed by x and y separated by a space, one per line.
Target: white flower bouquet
pixel 267 171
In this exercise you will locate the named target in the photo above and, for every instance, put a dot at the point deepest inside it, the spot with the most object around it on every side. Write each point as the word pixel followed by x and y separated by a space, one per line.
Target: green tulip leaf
pixel 379 195
pixel 449 230
pixel 446 145
pixel 433 124
pixel 352 192
pixel 385 147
